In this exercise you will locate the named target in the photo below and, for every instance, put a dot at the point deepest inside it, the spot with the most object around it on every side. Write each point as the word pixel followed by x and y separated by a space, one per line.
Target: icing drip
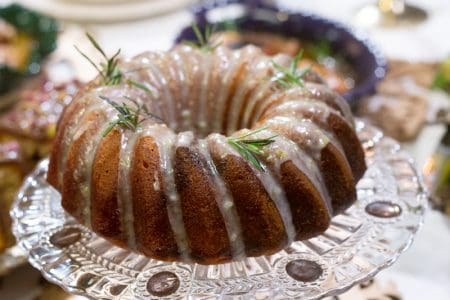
pixel 322 91
pixel 273 187
pixel 159 76
pixel 251 75
pixel 166 140
pixel 297 109
pixel 124 195
pixel 84 167
pixel 184 118
pixel 306 135
pixel 137 70
pixel 283 150
pixel 258 93
pixel 233 61
pixel 71 129
pixel 275 96
pixel 202 102
pixel 195 91
pixel 225 204
pixel 311 136
pixel 299 106
pixel 192 71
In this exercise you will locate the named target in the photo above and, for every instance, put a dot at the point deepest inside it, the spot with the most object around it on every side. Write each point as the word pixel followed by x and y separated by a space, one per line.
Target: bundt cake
pixel 206 156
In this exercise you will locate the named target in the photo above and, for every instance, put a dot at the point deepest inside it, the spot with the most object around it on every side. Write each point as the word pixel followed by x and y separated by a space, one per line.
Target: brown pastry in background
pixel 401 104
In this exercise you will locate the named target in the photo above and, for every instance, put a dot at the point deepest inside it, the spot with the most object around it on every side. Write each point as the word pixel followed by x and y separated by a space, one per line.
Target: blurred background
pixel 389 58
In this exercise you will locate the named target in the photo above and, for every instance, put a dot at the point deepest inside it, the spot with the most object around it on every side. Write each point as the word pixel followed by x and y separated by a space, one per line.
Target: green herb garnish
pixel 291 76
pixel 251 149
pixel 204 42
pixel 109 70
pixel 128 117
pixel 139 85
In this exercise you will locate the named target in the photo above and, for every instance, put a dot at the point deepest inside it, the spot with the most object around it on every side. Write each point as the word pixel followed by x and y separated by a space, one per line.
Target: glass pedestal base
pixel 370 236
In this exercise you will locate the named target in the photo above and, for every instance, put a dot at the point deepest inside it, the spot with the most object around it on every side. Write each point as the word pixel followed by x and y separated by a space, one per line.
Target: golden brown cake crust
pixel 72 198
pixel 311 214
pixel 172 189
pixel 340 128
pixel 350 142
pixel 154 236
pixel 52 174
pixel 338 178
pixel 105 214
pixel 66 117
pixel 262 227
pixel 205 227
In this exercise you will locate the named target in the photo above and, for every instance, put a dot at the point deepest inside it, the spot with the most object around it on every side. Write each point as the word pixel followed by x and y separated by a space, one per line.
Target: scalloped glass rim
pixel 354 249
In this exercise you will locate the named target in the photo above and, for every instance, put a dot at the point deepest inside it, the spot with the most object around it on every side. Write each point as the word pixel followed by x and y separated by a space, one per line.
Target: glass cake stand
pixel 370 236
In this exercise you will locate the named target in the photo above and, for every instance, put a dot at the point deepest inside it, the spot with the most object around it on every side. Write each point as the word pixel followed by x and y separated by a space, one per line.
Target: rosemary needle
pixel 204 42
pixel 250 149
pixel 109 70
pixel 128 117
pixel 292 75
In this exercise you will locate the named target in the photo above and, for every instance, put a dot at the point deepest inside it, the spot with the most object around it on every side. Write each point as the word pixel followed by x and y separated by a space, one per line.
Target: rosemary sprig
pixel 204 42
pixel 109 70
pixel 291 76
pixel 139 85
pixel 251 149
pixel 128 117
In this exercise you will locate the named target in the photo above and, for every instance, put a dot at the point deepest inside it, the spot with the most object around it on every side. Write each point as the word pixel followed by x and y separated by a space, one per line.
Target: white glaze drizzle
pixel 124 194
pixel 138 70
pixel 182 83
pixel 192 70
pixel 203 96
pixel 193 76
pixel 320 89
pixel 71 128
pixel 166 142
pixel 258 92
pixel 233 61
pixel 283 150
pixel 276 95
pixel 299 106
pixel 167 98
pixel 312 136
pixel 182 60
pixel 248 78
pixel 225 203
pixel 84 166
pixel 320 110
pixel 269 182
pixel 307 133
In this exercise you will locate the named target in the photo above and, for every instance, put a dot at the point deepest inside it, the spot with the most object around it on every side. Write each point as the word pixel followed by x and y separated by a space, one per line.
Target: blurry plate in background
pixel 367 62
pixel 105 11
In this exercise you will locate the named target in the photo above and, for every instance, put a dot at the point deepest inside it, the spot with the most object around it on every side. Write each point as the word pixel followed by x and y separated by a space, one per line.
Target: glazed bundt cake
pixel 228 160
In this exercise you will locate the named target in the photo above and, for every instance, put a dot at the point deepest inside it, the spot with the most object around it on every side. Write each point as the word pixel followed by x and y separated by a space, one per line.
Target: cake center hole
pixel 209 116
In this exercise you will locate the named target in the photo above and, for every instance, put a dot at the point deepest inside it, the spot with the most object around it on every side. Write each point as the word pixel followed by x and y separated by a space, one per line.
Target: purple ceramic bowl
pixel 366 60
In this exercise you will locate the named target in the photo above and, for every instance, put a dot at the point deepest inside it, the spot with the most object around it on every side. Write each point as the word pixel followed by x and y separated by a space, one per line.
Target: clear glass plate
pixel 370 236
